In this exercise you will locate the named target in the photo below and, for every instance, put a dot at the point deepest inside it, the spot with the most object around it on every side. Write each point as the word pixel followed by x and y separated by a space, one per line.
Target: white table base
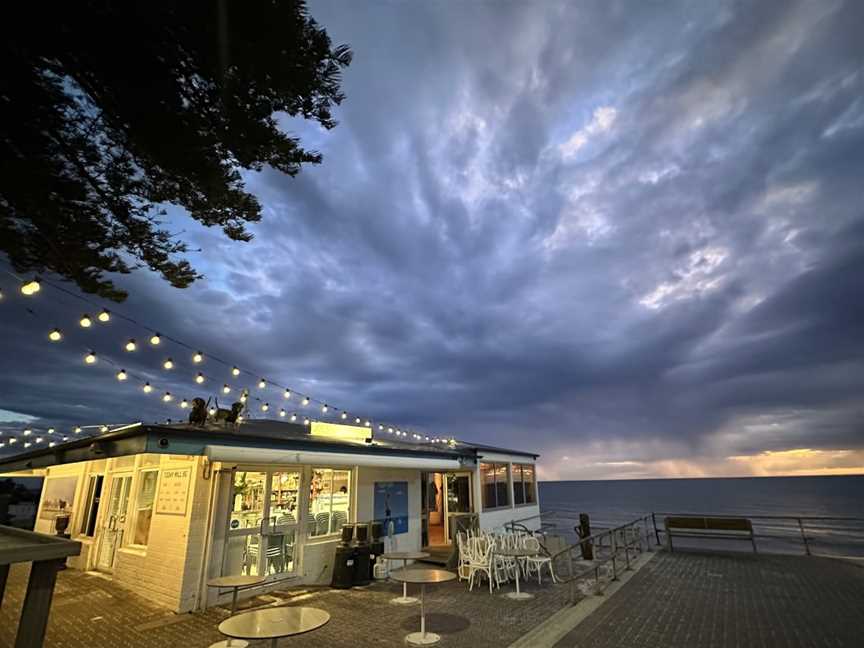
pixel 422 638
pixel 404 599
pixel 518 595
pixel 230 643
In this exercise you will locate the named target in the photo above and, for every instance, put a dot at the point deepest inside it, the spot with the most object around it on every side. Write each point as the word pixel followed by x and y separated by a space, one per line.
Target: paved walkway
pixel 689 599
pixel 90 611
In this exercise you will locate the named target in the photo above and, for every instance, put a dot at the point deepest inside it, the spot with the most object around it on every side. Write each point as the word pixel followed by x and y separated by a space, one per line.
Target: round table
pixel 236 583
pixel 273 623
pixel 422 577
pixel 517 552
pixel 404 556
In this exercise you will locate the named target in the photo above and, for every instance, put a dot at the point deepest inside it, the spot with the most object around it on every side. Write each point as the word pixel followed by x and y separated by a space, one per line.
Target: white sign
pixel 173 491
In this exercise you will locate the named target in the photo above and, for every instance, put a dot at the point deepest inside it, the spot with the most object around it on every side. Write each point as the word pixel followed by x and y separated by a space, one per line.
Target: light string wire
pixel 244 391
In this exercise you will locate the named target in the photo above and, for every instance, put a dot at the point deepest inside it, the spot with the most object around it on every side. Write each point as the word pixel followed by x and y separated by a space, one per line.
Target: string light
pixel 305 400
pixel 103 429
pixel 168 364
pixel 212 411
pixel 287 393
pixel 131 345
pixel 226 389
pixel 77 429
pixel 184 404
pixel 199 378
pixel 50 430
pixel 28 432
pixel 282 412
pixel 38 439
pixel 155 339
pixel 324 408
pixel 13 440
pixel 293 417
pixel 121 375
pixel 305 420
pixel 368 424
pixel 357 420
pixel 51 445
pixel 104 316
pixel 265 407
pixel 85 321
pixel 55 335
pixel 262 384
pixel 31 287
pixel 27 444
pixel 147 388
pixel 65 438
pixel 344 415
pixel 235 371
pixel 243 397
pixel 198 357
pixel 167 397
pixel 90 358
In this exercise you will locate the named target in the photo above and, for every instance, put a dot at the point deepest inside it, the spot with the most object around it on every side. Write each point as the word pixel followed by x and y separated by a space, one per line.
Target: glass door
pixel 114 522
pixel 262 524
pixel 457 501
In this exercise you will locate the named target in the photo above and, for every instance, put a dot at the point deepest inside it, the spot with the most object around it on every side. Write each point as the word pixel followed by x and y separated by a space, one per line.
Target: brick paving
pixel 726 600
pixel 90 611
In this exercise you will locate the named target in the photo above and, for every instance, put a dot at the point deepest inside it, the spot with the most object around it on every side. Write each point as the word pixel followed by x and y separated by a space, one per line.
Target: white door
pixel 114 522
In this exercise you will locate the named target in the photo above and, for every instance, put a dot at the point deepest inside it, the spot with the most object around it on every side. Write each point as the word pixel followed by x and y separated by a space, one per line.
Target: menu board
pixel 173 491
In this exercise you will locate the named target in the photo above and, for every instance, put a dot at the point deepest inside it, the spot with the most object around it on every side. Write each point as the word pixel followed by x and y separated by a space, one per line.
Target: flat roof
pixel 187 439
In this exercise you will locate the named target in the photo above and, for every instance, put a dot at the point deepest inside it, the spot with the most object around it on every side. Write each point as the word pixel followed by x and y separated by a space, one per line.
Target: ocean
pixel 610 503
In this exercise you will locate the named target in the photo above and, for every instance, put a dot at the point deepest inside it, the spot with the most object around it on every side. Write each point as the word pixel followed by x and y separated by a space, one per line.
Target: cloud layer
pixel 630 239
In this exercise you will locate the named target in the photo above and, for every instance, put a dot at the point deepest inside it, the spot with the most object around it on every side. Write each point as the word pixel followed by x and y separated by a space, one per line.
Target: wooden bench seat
pixel 717 528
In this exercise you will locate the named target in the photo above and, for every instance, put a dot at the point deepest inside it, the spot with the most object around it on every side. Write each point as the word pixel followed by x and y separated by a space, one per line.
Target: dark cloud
pixel 629 238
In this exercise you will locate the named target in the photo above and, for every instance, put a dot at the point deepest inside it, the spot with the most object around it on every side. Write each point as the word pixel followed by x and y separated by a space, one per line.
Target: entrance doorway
pixel 114 522
pixel 446 496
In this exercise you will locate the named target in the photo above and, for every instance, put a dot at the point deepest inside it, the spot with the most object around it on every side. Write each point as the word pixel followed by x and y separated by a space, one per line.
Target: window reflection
pixel 329 500
pixel 248 504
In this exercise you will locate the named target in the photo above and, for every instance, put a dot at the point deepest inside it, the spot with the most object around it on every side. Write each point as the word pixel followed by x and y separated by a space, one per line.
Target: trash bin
pixel 344 564
pixel 362 565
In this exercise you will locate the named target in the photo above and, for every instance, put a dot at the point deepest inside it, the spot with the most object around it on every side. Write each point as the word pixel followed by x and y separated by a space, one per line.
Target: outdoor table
pixel 404 556
pixel 273 623
pixel 422 577
pixel 517 552
pixel 236 583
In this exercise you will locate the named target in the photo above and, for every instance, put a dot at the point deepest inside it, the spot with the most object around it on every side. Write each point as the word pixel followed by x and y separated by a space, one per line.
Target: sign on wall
pixel 58 497
pixel 391 506
pixel 173 491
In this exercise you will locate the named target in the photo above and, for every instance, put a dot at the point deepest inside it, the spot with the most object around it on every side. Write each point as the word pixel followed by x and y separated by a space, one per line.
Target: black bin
pixel 362 565
pixel 344 564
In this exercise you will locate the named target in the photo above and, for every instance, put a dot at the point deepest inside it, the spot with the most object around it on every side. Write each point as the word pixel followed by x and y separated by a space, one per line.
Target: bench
pixel 725 528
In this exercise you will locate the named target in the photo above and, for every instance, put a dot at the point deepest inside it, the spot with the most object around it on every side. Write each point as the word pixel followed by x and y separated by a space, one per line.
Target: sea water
pixel 610 503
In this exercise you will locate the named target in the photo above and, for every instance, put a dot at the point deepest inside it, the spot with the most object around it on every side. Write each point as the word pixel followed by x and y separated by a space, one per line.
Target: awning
pixel 268 456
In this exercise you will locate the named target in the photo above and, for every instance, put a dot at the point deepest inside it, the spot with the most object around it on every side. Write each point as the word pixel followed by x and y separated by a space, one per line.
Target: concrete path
pixel 726 600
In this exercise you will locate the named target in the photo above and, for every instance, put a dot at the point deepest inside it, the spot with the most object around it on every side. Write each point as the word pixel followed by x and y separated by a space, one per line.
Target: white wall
pixel 495 519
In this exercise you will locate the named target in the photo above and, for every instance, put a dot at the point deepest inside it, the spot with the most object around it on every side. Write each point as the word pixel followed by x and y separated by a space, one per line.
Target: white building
pixel 162 508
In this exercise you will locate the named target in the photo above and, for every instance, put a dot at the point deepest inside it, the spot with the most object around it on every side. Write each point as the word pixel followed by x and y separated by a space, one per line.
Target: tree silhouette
pixel 112 110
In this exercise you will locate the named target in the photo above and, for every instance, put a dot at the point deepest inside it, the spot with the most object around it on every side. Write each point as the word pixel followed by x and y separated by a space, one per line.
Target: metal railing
pixel 798 527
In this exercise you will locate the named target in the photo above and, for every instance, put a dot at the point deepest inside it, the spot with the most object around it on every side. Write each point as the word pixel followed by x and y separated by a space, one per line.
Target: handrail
pixel 763 517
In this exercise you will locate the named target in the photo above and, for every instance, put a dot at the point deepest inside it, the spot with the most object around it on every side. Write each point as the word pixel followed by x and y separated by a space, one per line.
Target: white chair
pixel 537 561
pixel 480 563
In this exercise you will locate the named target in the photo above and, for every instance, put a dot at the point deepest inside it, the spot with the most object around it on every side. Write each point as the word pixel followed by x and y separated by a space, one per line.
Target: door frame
pixel 113 530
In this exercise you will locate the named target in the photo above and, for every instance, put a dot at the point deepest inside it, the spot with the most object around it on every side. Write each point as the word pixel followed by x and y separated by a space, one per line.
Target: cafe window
pixel 496 488
pixel 329 501
pixel 247 505
pixel 523 484
pixel 144 506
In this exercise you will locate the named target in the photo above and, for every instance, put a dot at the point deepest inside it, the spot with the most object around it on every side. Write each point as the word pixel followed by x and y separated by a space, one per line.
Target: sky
pixel 627 236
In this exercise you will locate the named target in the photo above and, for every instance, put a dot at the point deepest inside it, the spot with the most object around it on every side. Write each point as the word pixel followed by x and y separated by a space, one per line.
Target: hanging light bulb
pixel 243 397
pixel 50 430
pixel 390 430
pixel 31 287
pixel 27 444
pixel 168 364
pixel 65 438
pixel 240 419
pixel 131 345
pixel 155 339
pixel 77 429
pixel 199 378
pixel 147 388
pixel 324 408
pixel 262 384
pixel 28 432
pixel 184 404
pixel 265 407
pixel 197 357
pixel 287 393
pixel 55 335
pixel 103 429
pixel 368 424
pixel 104 316
pixel 305 400
pixel 167 397
pixel 282 412
pixel 90 358
pixel 226 389
pixel 427 438
pixel 293 417
pixel 38 439
pixel 13 440
pixel 85 321
pixel 357 420
pixel 305 420
pixel 344 415
pixel 121 375
pixel 212 411
pixel 1 293
pixel 235 371
pixel 380 427
pixel 51 445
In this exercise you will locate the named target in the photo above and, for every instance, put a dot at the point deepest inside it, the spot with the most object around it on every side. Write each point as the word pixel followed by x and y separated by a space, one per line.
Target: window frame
pixel 524 485
pixel 136 508
pixel 495 466
pixel 310 517
pixel 88 516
